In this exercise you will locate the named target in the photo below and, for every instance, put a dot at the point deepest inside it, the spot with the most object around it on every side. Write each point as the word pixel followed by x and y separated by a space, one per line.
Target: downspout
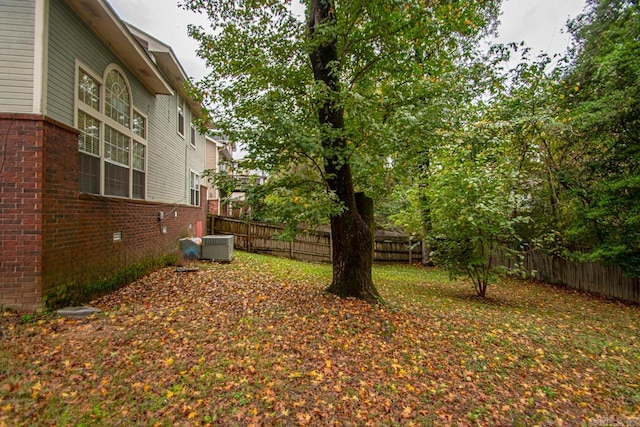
pixel 188 176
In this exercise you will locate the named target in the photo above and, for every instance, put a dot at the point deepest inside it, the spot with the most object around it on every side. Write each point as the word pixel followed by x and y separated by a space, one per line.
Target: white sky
pixel 540 23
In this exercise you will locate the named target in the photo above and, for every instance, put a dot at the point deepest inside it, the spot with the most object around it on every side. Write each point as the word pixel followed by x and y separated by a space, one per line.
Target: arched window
pixel 117 101
pixel 112 140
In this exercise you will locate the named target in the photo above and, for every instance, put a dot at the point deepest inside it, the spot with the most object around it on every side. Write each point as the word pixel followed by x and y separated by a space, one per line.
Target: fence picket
pixel 609 281
pixel 315 246
pixel 307 245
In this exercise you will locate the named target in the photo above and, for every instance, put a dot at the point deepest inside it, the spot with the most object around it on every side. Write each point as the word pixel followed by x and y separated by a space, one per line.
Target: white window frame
pixel 108 69
pixel 103 119
pixel 182 119
pixel 146 123
pixel 193 174
pixel 193 137
pixel 87 109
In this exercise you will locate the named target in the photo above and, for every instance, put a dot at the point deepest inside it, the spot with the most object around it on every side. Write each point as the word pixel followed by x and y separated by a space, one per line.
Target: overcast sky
pixel 539 23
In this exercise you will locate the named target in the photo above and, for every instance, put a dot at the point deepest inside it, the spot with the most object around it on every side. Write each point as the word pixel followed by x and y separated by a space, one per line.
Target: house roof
pixel 106 24
pixel 224 146
pixel 166 60
pixel 150 60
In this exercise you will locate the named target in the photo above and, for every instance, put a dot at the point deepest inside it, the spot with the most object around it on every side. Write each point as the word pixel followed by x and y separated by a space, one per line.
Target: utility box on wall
pixel 218 248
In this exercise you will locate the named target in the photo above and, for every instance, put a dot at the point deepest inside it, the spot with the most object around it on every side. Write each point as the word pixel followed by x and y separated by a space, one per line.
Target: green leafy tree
pixel 574 132
pixel 320 91
pixel 602 89
pixel 476 203
pixel 539 134
pixel 470 195
pixel 452 104
pixel 576 128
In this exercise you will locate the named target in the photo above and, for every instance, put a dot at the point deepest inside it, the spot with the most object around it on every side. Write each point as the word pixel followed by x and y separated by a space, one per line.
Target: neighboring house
pixel 244 177
pixel 219 155
pixel 99 160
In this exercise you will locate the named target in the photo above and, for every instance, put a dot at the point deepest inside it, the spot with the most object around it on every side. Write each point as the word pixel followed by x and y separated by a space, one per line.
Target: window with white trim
pixel 192 140
pixel 195 189
pixel 139 176
pixel 139 125
pixel 112 139
pixel 88 90
pixel 116 98
pixel 89 155
pixel 181 116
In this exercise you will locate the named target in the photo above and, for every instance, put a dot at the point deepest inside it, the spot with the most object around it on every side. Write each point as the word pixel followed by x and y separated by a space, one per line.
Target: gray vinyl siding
pixel 17 31
pixel 173 157
pixel 168 165
pixel 71 39
pixel 170 158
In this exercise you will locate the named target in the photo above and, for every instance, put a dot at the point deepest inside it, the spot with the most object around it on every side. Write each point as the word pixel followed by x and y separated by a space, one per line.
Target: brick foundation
pixel 51 236
pixel 21 160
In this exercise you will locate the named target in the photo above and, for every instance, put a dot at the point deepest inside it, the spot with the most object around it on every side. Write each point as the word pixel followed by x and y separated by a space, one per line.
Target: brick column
pixel 21 180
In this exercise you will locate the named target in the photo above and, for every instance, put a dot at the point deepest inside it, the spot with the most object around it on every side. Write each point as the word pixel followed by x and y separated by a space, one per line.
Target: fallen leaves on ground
pixel 258 342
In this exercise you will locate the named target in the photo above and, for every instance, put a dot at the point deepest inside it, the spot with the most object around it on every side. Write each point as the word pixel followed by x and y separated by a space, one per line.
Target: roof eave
pixel 226 153
pixel 178 78
pixel 106 24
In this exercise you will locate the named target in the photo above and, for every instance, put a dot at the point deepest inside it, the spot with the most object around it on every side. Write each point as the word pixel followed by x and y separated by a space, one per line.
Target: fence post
pixel 410 252
pixel 248 236
pixel 291 248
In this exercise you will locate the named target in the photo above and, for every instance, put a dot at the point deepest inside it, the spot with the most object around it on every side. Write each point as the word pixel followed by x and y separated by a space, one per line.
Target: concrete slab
pixel 78 312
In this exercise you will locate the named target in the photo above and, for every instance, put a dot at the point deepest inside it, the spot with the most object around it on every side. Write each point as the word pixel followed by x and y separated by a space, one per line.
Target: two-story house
pixel 219 152
pixel 100 161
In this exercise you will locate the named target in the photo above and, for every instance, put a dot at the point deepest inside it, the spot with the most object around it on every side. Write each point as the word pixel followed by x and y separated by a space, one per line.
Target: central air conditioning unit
pixel 217 248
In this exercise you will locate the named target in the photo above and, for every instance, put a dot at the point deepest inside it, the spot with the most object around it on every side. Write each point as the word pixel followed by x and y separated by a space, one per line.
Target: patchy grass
pixel 258 342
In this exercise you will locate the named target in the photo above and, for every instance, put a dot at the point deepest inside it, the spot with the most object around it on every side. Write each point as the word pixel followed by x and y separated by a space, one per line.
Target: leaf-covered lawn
pixel 258 342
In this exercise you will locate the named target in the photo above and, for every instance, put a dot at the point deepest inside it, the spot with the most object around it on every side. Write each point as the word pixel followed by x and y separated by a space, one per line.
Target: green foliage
pixel 576 128
pixel 603 85
pixel 460 190
pixel 475 207
pixel 536 129
pixel 391 59
pixel 569 146
pixel 294 206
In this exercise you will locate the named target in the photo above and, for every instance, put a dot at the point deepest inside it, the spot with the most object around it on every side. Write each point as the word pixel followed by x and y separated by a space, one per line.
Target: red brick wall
pixel 214 206
pixel 88 253
pixel 60 204
pixel 21 157
pixel 65 239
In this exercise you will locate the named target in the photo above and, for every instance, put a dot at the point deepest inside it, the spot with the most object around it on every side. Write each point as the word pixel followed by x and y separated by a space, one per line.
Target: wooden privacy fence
pixel 314 245
pixel 609 281
pixel 259 237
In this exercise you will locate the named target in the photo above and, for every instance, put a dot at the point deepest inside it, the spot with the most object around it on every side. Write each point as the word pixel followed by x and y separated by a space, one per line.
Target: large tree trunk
pixel 352 236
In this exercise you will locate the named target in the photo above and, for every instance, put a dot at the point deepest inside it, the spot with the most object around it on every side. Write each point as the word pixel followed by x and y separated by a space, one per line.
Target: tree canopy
pixel 395 100
pixel 576 127
pixel 333 94
pixel 603 85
